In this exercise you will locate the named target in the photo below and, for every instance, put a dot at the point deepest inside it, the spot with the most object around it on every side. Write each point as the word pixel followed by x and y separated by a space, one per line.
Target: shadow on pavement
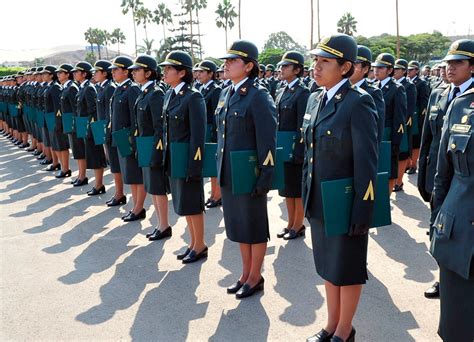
pixel 167 310
pixel 296 282
pixel 402 248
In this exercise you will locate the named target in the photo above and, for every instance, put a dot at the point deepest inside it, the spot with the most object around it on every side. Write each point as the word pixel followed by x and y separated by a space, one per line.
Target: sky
pixel 32 27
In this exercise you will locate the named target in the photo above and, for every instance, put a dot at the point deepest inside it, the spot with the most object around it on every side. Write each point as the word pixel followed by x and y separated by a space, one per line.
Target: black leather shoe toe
pixel 247 291
pixel 234 287
pixel 433 291
pixel 193 256
pixel 322 336
pixel 158 235
pixel 95 192
pixel 181 256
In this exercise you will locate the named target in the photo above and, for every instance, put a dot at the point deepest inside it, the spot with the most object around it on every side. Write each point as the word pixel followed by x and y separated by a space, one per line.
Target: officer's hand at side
pixel 259 191
pixel 193 178
pixel 358 229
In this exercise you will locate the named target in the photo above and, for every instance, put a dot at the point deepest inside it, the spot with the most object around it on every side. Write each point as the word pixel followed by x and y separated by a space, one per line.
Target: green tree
pixel 143 17
pixel 282 40
pixel 89 37
pixel 225 17
pixel 197 6
pixel 117 37
pixel 132 6
pixel 162 17
pixel 271 56
pixel 106 40
pixel 347 24
pixel 147 46
pixel 90 57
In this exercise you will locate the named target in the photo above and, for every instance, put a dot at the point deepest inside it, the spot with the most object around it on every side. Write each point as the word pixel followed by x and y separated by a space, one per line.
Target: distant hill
pixel 56 55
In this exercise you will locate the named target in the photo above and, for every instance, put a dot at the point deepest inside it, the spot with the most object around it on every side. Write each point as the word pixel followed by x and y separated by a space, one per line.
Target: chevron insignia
pixel 92 120
pixel 159 146
pixel 370 192
pixel 197 156
pixel 269 159
pixel 401 130
pixel 409 122
pixel 58 113
pixel 136 132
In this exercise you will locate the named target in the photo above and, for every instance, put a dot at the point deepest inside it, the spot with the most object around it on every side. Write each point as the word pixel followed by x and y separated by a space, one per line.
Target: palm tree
pixel 240 31
pixel 347 24
pixel 198 5
pixel 187 6
pixel 105 37
pixel 132 5
pixel 162 17
pixel 89 37
pixel 312 24
pixel 143 16
pixel 147 46
pixel 117 37
pixel 98 40
pixel 225 17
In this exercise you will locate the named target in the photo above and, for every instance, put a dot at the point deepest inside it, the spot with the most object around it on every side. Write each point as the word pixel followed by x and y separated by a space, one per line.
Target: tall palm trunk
pixel 240 32
pixel 312 26
pixel 191 30
pixel 199 33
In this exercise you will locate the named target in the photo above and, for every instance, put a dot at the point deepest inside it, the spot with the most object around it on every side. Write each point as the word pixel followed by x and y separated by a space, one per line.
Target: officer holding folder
pixel 246 123
pixel 184 113
pixel 123 121
pixel 340 136
pixel 291 105
pixel 149 126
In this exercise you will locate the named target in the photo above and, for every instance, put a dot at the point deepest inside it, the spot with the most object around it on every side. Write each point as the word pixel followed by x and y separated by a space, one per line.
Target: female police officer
pixel 206 75
pixel 340 135
pixel 185 122
pixel 452 217
pixel 291 106
pixel 123 116
pixel 246 121
pixel 149 122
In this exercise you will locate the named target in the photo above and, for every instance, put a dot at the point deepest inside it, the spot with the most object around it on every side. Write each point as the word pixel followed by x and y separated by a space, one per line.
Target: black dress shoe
pixel 293 234
pixel 18 143
pixel 397 187
pixel 322 336
pixel 214 204
pixel 208 201
pixel 152 233
pixel 234 287
pixel 63 174
pixel 25 145
pixel 41 156
pixel 113 202
pixel 282 233
pixel 158 235
pixel 126 215
pixel 433 291
pixel 193 256
pixel 31 149
pixel 411 170
pixel 181 256
pixel 95 192
pixel 351 337
pixel 79 182
pixel 46 162
pixel 135 217
pixel 37 153
pixel 52 167
pixel 247 291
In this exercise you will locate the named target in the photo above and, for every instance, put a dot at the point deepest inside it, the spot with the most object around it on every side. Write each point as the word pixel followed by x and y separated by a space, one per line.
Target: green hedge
pixel 9 71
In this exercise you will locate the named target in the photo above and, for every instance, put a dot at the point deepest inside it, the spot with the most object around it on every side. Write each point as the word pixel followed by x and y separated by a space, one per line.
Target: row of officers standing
pixel 340 117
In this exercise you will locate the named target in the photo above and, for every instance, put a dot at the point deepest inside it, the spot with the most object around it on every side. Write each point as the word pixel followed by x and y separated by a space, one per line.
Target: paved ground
pixel 72 270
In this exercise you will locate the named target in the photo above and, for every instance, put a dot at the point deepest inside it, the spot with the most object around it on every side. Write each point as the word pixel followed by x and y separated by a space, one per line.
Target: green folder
pixel 286 140
pixel 180 156
pixel 50 119
pixel 121 138
pixel 13 110
pixel 208 132
pixel 81 126
pixel 338 196
pixel 98 131
pixel 144 150
pixel 244 171
pixel 415 130
pixel 68 122
pixel 385 160
pixel 387 136
pixel 39 118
